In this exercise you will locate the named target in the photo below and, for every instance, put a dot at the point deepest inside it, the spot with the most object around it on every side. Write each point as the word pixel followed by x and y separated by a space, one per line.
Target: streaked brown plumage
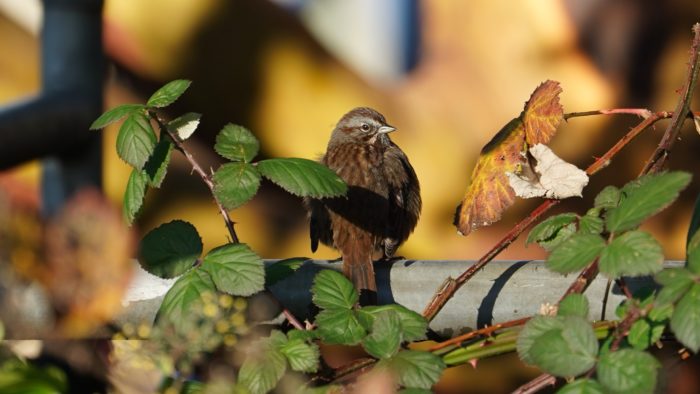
pixel 383 201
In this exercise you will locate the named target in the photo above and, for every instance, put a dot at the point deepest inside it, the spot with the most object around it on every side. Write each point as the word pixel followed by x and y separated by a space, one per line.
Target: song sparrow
pixel 382 204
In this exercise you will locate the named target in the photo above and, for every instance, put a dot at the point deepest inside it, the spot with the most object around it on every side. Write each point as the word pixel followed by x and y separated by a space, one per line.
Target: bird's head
pixel 363 124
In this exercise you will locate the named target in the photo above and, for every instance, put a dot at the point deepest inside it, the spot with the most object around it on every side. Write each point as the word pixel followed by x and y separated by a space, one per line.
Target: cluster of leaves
pixel 566 345
pixel 380 330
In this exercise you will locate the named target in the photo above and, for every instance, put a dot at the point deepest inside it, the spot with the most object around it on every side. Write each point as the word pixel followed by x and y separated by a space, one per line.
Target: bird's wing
pixel 404 198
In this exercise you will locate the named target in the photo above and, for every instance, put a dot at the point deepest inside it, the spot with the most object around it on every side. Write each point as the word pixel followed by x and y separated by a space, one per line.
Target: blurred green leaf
pixel 302 356
pixel 303 177
pixel 168 93
pixel 675 281
pixel 170 249
pixel 661 312
pixel 332 290
pixel 413 324
pixel 575 253
pixel 385 336
pixel 639 335
pixel 591 223
pixel 115 114
pixel 235 184
pixel 693 253
pixel 184 126
pixel 20 377
pixel 134 194
pixel 535 328
pixel 235 269
pixel 608 198
pixel 136 140
pixel 569 351
pixel 263 368
pixel 339 326
pixel 186 291
pixel 549 228
pixel 414 368
pixel 574 305
pixel 634 253
pixel 282 269
pixel 413 390
pixel 582 386
pixel 628 371
pixel 685 321
pixel 236 143
pixel 645 197
pixel 157 165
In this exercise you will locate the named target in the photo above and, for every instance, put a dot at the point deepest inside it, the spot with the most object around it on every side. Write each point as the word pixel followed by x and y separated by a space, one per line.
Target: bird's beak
pixel 386 129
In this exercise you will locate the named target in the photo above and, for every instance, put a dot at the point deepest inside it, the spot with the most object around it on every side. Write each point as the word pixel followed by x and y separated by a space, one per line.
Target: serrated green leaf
pixel 236 143
pixel 628 371
pixel 634 253
pixel 184 293
pixel 645 197
pixel 332 290
pixel 385 336
pixel 136 140
pixel 534 328
pixel 170 249
pixel 582 386
pixel 694 222
pixel 302 356
pixel 304 335
pixel 414 368
pixel 303 177
pixel 693 253
pixel 675 281
pixel 157 165
pixel 413 324
pixel 184 126
pixel 548 229
pixel 575 253
pixel 608 198
pixel 639 335
pixel 591 224
pixel 134 194
pixel 236 269
pixel 168 93
pixel 282 269
pixel 565 352
pixel 263 368
pixel 115 114
pixel 573 305
pixel 235 184
pixel 339 326
pixel 685 321
pixel 661 312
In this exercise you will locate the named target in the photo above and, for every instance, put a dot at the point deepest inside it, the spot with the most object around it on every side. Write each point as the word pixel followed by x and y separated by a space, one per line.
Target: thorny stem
pixel 206 178
pixel 488 330
pixel 536 384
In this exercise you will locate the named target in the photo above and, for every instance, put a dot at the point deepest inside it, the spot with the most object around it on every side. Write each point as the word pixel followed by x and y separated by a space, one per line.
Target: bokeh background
pixel 447 74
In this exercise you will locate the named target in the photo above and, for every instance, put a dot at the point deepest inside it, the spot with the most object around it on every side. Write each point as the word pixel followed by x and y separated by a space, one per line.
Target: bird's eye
pixel 365 127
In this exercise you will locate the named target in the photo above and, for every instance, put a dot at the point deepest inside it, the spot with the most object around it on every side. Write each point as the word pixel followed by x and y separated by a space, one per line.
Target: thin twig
pixel 641 112
pixel 450 286
pixel 536 384
pixel 486 331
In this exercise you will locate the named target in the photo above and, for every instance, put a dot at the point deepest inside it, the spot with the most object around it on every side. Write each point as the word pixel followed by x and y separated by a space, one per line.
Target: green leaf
pixel 413 325
pixel 574 305
pixel 236 269
pixel 535 328
pixel 302 356
pixel 639 335
pixel 414 368
pixel 303 177
pixel 575 253
pixel 591 224
pixel 184 293
pixel 565 352
pixel 645 197
pixel 20 377
pixel 282 269
pixel 134 195
pixel 339 326
pixel 236 143
pixel 628 371
pixel 608 198
pixel 184 126
pixel 661 312
pixel 549 228
pixel 634 253
pixel 168 93
pixel 304 335
pixel 694 220
pixel 685 321
pixel 235 184
pixel 582 386
pixel 675 281
pixel 693 253
pixel 170 249
pixel 332 290
pixel 136 140
pixel 385 337
pixel 263 368
pixel 115 114
pixel 157 165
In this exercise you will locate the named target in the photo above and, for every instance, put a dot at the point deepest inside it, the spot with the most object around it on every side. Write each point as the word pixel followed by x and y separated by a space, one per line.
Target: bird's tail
pixel 359 268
